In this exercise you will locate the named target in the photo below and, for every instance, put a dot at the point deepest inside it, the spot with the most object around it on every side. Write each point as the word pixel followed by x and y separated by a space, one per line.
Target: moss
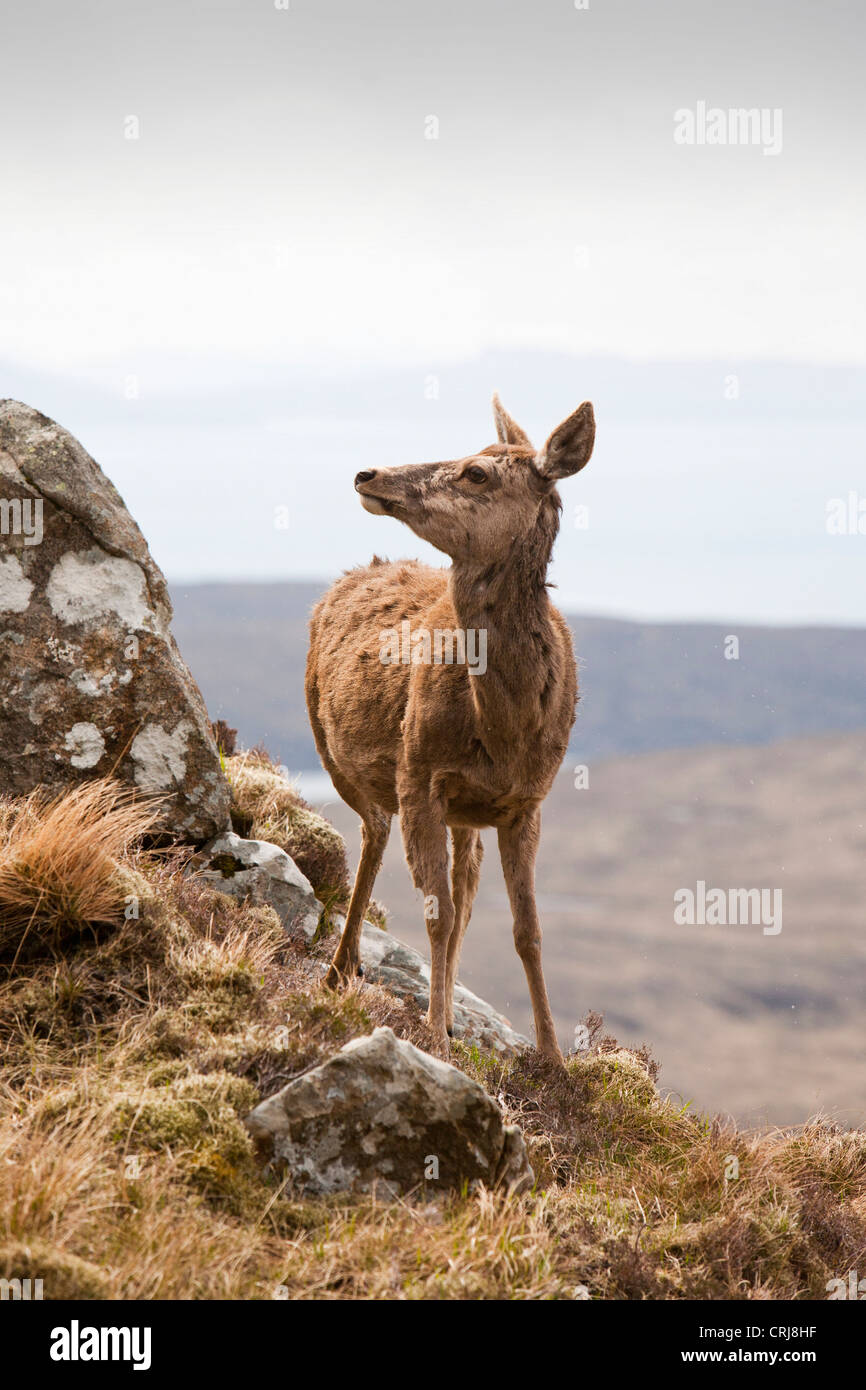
pixel 228 1179
pixel 327 1019
pixel 219 1011
pixel 192 1112
pixel 210 972
pixel 167 1033
pixel 615 1076
pixel 228 864
pixel 166 1072
pixel 317 849
pixel 197 1120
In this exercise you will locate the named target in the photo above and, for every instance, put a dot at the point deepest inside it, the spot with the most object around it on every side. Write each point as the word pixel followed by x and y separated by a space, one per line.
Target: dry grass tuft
pixel 58 864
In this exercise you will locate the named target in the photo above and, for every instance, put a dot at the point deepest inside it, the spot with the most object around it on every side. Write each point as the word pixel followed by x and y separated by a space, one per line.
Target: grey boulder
pixel 382 1115
pixel 91 680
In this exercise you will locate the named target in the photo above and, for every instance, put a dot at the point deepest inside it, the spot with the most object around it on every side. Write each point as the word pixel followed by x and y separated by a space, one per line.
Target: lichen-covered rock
pixel 257 872
pixel 91 680
pixel 380 1114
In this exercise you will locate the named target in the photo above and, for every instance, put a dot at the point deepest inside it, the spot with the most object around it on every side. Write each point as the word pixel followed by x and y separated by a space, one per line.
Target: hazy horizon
pixel 321 581
pixel 694 507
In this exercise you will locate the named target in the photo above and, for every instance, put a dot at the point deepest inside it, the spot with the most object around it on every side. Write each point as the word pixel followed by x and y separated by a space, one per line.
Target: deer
pixel 445 747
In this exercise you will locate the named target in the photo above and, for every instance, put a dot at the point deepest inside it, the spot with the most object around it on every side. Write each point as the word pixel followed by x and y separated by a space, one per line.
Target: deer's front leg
pixel 518 845
pixel 425 839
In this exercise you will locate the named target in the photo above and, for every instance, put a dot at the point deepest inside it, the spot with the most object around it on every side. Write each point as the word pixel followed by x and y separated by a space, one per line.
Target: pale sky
pixel 282 203
pixel 281 239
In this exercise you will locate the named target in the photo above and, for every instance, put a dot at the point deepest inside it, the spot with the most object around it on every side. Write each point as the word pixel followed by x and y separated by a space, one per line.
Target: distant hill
pixel 644 686
pixel 246 645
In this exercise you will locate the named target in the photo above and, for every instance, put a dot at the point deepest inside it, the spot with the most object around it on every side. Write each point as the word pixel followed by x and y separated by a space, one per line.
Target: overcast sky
pixel 283 208
pixel 282 198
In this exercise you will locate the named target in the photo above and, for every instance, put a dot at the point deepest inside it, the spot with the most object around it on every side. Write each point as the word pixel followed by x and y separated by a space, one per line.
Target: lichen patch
pixel 15 587
pixel 89 586
pixel 86 745
pixel 160 757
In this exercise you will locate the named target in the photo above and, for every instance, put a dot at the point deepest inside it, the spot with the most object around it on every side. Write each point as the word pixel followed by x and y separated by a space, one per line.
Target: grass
pixel 59 874
pixel 132 1048
pixel 265 806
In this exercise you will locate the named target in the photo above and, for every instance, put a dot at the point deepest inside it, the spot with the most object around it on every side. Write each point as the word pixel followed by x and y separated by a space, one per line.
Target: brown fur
pixel 442 748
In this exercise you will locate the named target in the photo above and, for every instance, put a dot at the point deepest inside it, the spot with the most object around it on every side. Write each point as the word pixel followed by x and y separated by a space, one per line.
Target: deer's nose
pixel 365 476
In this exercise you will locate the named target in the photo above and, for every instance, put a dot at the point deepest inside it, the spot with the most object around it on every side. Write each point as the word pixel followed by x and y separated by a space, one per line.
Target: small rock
pixel 255 871
pixel 401 969
pixel 380 1114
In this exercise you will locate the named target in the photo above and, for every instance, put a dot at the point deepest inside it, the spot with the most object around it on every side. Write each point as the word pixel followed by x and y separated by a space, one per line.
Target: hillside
pixel 700 768
pixel 132 1054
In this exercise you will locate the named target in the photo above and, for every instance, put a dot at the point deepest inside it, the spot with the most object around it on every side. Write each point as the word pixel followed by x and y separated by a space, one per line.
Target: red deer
pixel 444 746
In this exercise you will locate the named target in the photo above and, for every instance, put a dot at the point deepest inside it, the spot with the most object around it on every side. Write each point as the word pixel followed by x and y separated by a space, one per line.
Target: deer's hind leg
pixel 375 827
pixel 465 875
pixel 518 845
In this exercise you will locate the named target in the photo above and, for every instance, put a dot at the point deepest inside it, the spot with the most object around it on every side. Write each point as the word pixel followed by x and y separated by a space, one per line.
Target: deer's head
pixel 476 508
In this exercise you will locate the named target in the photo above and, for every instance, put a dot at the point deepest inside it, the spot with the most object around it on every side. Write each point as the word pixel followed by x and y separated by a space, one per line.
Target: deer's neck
pixel 508 609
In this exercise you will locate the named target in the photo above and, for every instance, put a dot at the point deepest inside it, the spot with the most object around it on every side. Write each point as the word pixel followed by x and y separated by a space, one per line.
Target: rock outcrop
pixel 258 872
pixel 91 680
pixel 404 971
pixel 380 1114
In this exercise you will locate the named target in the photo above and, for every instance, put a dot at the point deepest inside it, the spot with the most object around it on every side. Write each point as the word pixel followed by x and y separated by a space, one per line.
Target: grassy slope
pixel 132 1053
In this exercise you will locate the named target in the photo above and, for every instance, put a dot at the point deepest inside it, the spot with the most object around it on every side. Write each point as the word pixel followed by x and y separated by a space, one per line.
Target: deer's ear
pixel 569 447
pixel 507 430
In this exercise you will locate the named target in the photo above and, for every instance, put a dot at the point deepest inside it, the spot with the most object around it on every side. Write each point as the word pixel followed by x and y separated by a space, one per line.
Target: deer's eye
pixel 475 474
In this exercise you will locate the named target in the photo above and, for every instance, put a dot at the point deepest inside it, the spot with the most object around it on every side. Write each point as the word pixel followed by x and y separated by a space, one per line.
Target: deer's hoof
pixel 441 1048
pixel 340 975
